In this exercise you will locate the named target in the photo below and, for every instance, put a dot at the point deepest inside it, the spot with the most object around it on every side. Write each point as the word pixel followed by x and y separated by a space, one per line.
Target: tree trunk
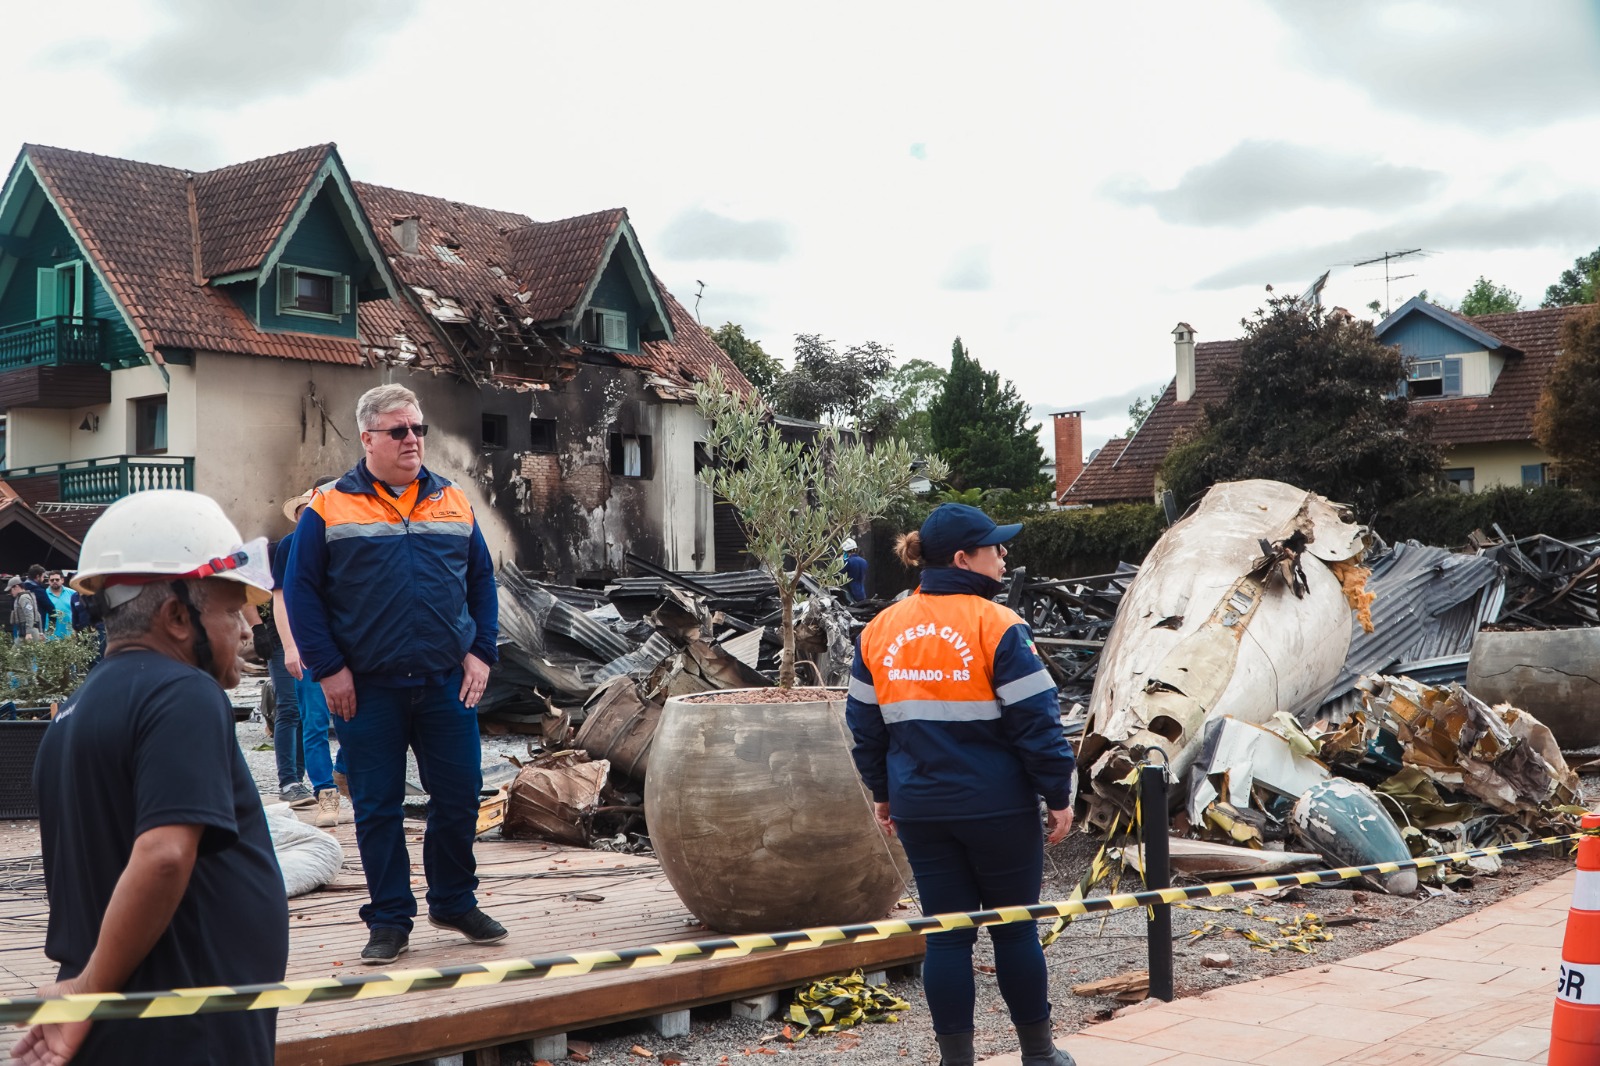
pixel 786 657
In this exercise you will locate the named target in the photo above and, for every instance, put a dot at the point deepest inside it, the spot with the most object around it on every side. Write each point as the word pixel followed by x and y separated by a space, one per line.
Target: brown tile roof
pixel 481 271
pixel 1131 476
pixel 243 209
pixel 1095 472
pixel 133 218
pixel 1506 414
pixel 559 259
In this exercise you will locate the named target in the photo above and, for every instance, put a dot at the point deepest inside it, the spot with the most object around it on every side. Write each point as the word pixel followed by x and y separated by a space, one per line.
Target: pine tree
pixel 982 430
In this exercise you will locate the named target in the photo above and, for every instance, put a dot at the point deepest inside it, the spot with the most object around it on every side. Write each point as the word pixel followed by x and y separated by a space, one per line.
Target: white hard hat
pixel 168 533
pixel 849 544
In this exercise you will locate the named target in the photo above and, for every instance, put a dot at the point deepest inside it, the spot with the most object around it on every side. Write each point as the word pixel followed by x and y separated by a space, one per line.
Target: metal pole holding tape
pixel 1157 875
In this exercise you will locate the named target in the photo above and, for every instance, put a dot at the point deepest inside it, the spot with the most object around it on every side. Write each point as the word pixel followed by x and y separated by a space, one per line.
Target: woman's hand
pixel 880 811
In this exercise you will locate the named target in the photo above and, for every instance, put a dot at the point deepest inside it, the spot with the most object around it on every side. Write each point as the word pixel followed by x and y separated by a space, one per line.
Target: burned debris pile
pixel 1304 682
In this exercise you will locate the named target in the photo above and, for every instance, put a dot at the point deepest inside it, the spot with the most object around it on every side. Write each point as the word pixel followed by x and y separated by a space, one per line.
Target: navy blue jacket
pixel 974 730
pixel 399 598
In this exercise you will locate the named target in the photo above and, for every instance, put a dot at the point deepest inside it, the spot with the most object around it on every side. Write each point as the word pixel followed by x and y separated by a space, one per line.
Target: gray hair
pixel 134 617
pixel 380 401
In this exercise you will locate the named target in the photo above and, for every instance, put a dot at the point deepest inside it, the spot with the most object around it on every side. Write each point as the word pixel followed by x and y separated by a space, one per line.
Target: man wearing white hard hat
pixel 157 860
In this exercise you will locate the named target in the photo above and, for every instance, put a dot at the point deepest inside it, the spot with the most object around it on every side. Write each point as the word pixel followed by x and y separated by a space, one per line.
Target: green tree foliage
pixel 901 407
pixel 827 385
pixel 1311 402
pixel 1139 410
pixel 797 501
pixel 1083 541
pixel 1567 423
pixel 982 429
pixel 1448 518
pixel 1487 298
pixel 1577 283
pixel 761 369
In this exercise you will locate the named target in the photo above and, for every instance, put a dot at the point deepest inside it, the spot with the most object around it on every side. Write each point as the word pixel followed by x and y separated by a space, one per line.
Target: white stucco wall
pixel 253 456
pixel 685 503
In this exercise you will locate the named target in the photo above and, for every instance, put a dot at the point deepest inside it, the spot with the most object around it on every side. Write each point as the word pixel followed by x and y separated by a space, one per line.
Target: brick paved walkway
pixel 1476 992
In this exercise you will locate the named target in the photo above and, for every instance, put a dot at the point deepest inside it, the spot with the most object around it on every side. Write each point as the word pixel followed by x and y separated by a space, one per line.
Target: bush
pixel 1078 543
pixel 1446 519
pixel 41 672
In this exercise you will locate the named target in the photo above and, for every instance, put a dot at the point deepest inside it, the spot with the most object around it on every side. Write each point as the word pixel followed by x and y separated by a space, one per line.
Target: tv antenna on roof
pixel 1385 259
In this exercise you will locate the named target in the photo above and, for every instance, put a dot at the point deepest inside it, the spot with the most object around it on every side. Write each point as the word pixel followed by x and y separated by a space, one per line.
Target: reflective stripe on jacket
pixel 397 588
pixel 953 714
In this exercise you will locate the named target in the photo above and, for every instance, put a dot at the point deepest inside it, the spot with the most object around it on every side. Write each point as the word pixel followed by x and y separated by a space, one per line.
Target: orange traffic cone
pixel 1575 1029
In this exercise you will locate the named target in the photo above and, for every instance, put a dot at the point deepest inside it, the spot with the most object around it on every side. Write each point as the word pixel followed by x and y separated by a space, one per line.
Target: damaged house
pixel 167 329
pixel 1481 377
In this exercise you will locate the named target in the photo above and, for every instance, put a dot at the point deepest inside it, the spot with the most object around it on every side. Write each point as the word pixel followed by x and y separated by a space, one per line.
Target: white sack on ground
pixel 308 857
pixel 1197 637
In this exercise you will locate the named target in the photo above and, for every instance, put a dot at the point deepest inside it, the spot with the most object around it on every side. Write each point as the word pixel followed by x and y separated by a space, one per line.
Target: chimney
pixel 405 232
pixel 1183 341
pixel 1069 449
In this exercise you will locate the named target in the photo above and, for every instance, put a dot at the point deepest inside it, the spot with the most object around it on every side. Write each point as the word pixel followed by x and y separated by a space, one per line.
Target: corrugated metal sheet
pixel 1430 604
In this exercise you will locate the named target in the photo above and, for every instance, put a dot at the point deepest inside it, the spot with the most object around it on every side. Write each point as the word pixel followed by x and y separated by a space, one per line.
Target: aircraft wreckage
pixel 1225 650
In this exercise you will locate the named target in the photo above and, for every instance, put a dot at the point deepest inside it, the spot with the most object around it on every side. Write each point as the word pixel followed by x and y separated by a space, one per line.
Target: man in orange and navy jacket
pixel 391 596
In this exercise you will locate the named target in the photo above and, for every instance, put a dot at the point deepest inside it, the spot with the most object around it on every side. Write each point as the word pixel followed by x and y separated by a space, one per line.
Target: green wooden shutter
pixel 341 294
pixel 288 289
pixel 45 306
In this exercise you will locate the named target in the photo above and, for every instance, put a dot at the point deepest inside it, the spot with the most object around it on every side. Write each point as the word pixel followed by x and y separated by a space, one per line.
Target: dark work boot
pixel 955 1049
pixel 1039 1046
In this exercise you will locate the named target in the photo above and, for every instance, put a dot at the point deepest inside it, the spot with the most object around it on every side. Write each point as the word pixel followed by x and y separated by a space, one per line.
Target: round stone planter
pixel 759 819
pixel 1549 673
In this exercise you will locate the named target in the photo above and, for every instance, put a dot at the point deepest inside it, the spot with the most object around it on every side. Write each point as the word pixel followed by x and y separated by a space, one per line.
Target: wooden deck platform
pixel 528 886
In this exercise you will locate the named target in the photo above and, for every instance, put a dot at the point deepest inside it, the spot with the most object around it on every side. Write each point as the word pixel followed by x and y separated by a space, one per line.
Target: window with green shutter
pixel 607 328
pixel 317 293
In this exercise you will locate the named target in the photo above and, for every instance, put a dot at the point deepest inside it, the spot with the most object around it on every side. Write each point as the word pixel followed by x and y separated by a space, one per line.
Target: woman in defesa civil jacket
pixel 958 736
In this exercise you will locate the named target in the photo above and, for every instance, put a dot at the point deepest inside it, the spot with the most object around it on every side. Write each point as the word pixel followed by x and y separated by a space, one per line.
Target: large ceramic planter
pixel 1550 673
pixel 760 821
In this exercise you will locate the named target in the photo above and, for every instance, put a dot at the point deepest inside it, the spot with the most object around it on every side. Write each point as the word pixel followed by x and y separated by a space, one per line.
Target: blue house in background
pixel 1481 378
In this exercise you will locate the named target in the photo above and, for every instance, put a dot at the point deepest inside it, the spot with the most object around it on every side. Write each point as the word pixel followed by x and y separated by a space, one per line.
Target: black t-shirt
pixel 147 742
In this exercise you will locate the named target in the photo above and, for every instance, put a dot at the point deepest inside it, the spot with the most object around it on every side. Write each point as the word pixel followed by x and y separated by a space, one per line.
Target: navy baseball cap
pixel 954 527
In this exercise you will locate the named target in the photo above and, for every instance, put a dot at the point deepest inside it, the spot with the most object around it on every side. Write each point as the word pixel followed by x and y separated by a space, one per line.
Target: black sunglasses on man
pixel 399 432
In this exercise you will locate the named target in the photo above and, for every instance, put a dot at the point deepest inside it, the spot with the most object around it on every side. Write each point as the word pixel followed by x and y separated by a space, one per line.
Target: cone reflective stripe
pixel 1575 1027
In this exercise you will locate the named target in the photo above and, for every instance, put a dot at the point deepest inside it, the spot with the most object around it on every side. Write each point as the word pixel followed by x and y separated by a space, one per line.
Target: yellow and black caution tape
pixel 34 1010
pixel 833 1003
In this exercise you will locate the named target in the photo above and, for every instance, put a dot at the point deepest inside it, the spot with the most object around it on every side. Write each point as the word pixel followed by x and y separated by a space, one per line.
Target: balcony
pixel 100 480
pixel 54 362
pixel 63 341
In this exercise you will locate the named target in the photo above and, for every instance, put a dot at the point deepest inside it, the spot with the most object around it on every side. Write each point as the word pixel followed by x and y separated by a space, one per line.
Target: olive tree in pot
pixel 754 806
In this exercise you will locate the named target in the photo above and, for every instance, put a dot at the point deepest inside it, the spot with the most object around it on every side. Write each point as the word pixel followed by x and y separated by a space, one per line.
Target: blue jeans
pixel 286 740
pixel 432 721
pixel 314 725
pixel 975 865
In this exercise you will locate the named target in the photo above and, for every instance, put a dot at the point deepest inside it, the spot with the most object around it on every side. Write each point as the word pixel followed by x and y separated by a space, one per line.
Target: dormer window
pixel 608 329
pixel 312 292
pixel 1433 377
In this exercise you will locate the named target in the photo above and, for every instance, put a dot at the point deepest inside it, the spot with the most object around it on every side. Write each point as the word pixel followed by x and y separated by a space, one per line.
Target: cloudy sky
pixel 1058 183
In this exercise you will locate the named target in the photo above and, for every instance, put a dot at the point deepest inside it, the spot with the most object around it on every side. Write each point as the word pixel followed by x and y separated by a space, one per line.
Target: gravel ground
pixel 1090 949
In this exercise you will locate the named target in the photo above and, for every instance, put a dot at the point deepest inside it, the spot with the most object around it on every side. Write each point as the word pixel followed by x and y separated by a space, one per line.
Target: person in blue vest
pixel 958 736
pixel 855 572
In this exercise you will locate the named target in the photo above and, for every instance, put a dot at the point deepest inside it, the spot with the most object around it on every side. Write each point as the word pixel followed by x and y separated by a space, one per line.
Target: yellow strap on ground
pixel 34 1010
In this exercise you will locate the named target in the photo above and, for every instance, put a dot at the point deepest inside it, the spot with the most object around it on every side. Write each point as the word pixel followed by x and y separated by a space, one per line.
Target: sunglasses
pixel 399 432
